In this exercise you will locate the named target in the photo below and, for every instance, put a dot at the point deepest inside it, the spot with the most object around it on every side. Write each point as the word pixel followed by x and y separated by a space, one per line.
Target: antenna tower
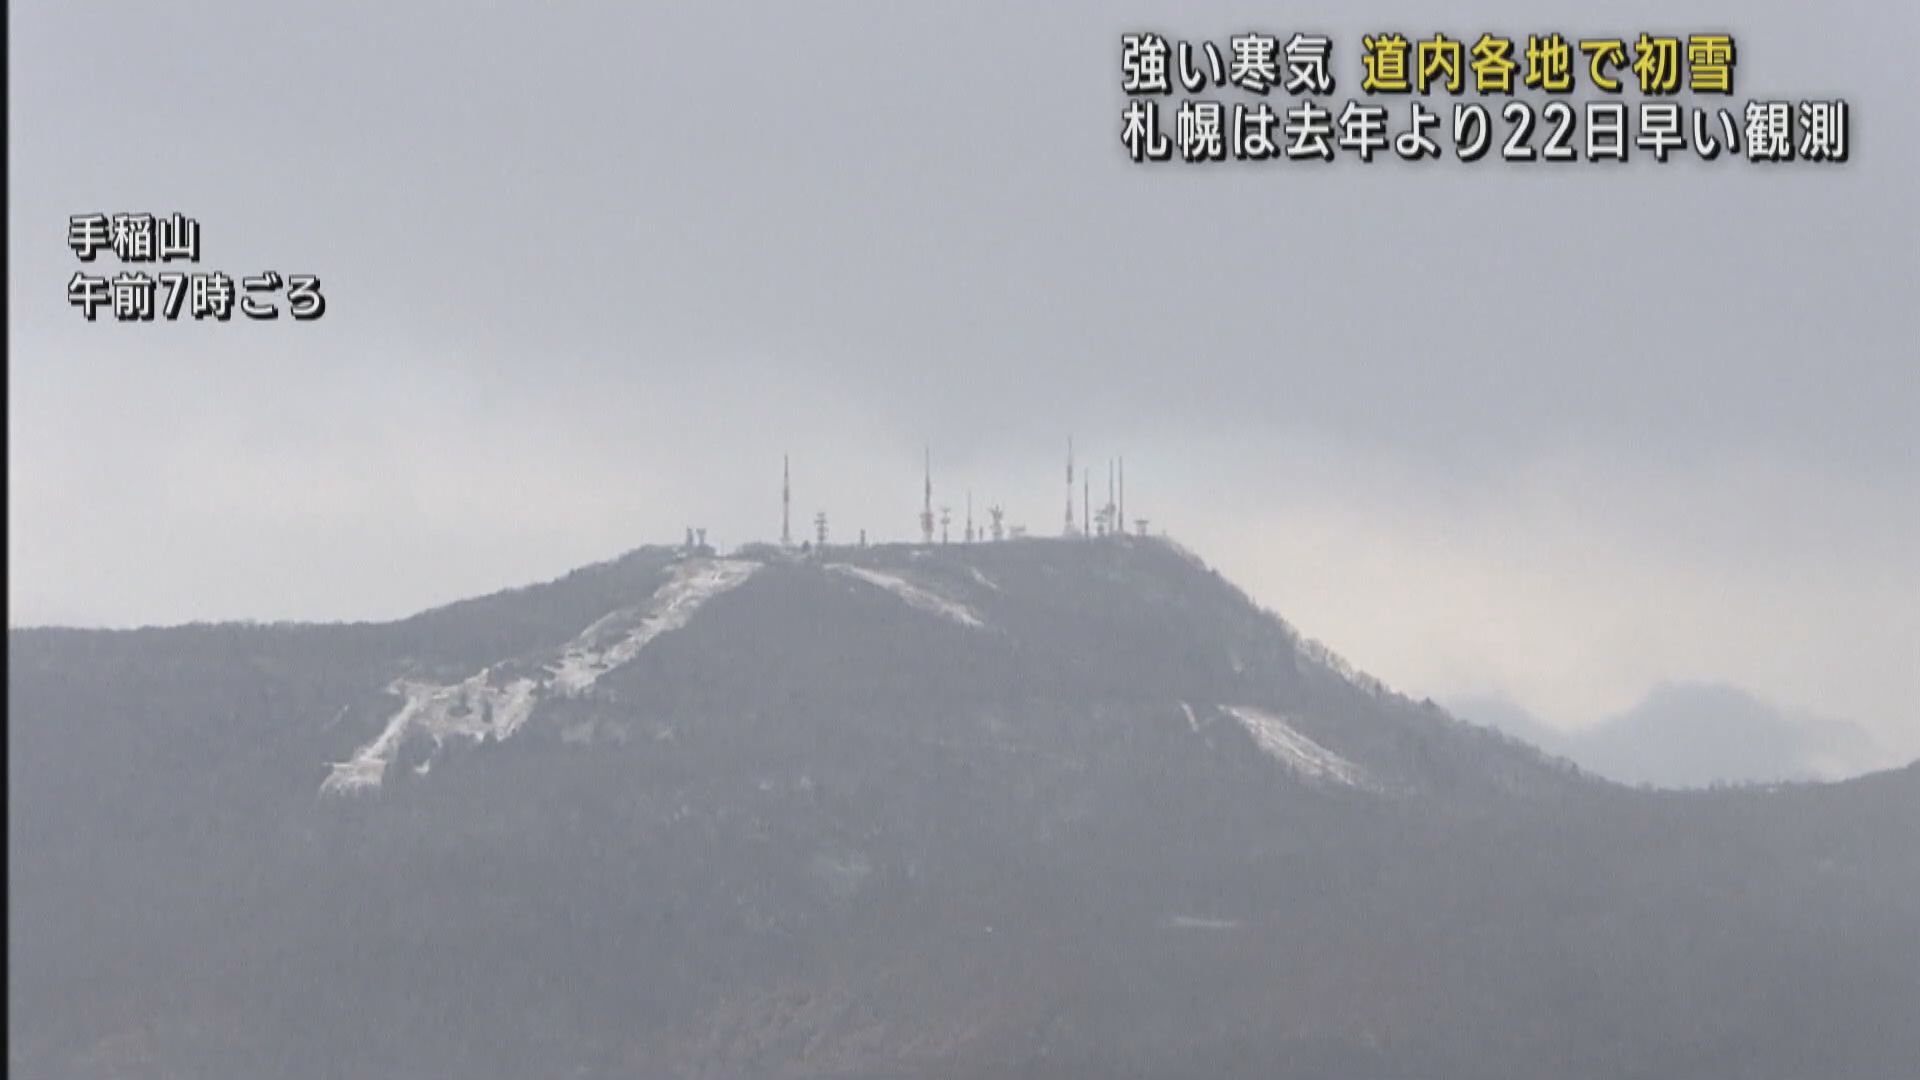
pixel 1069 530
pixel 786 502
pixel 926 506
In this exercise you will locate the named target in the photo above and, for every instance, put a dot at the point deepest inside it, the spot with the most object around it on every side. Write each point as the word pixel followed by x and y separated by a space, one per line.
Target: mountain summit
pixel 997 634
pixel 1030 808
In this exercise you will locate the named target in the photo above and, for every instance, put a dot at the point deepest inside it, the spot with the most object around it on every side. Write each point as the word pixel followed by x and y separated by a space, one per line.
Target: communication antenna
pixel 946 519
pixel 926 508
pixel 969 533
pixel 1120 509
pixel 1086 501
pixel 786 502
pixel 1071 530
pixel 998 516
pixel 820 528
pixel 1108 523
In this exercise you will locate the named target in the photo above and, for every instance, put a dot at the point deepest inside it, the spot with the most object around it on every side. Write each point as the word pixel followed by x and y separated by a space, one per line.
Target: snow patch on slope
pixel 982 579
pixel 1201 922
pixel 914 595
pixel 616 639
pixel 1306 758
pixel 475 708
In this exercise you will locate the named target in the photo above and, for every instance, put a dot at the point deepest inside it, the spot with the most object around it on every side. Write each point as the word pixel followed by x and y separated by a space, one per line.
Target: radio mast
pixel 1069 529
pixel 926 509
pixel 786 502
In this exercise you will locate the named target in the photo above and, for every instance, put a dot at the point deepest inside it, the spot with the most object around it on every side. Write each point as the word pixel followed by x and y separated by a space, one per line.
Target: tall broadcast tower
pixel 1069 529
pixel 926 509
pixel 1106 512
pixel 786 502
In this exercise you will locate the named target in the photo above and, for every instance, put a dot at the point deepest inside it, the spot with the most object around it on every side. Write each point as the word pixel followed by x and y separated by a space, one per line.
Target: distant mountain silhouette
pixel 1024 809
pixel 1686 735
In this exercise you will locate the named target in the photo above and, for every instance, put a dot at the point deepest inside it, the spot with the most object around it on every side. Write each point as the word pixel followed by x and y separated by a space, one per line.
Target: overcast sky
pixel 1552 433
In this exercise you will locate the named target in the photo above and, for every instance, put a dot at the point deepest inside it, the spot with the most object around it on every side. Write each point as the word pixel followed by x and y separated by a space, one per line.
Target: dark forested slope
pixel 1036 808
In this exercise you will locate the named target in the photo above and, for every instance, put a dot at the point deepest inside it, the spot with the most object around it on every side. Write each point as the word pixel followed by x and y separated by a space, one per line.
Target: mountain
pixel 1685 735
pixel 1037 808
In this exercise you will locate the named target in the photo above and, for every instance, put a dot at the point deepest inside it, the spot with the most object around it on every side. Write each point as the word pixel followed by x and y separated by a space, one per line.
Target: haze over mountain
pixel 1035 808
pixel 1319 376
pixel 1693 735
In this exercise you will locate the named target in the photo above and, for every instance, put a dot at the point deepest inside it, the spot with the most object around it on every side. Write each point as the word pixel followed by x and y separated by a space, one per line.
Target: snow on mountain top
pixel 915 595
